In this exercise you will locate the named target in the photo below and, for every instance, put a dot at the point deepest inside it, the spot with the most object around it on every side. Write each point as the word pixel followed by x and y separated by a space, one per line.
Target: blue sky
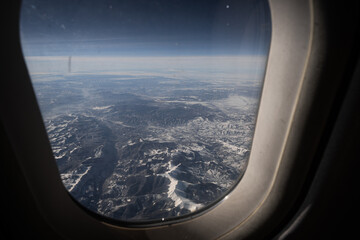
pixel 145 28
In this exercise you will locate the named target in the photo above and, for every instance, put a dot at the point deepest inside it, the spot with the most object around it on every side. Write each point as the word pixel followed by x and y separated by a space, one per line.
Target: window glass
pixel 149 106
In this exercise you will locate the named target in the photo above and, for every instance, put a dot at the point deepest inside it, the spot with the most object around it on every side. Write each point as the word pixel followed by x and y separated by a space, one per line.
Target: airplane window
pixel 150 106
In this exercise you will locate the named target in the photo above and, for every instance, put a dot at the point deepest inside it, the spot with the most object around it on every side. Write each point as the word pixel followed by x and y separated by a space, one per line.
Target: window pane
pixel 150 106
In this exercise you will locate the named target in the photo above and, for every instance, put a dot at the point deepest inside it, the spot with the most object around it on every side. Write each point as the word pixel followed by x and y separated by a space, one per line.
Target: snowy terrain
pixel 148 148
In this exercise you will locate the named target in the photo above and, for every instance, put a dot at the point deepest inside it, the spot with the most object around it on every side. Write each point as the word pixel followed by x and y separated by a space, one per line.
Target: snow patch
pixel 72 178
pixel 178 200
pixel 98 151
pixel 102 107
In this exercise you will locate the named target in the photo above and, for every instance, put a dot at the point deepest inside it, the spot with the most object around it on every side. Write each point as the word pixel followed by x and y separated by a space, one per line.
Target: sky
pixel 141 28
